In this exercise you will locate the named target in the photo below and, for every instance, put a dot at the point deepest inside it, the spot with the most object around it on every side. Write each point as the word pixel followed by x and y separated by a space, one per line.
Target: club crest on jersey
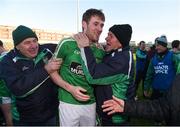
pixel 76 68
pixel 76 52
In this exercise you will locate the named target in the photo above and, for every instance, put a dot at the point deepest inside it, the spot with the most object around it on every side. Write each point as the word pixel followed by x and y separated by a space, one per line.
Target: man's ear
pixel 119 44
pixel 84 25
pixel 17 47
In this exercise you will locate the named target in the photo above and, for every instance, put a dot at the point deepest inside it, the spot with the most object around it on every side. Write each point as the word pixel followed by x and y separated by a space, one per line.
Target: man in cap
pixel 25 70
pixel 161 70
pixel 114 74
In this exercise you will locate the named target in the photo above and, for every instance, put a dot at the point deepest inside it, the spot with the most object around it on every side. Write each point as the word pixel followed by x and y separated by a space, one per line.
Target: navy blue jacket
pixel 113 63
pixel 118 62
pixel 36 94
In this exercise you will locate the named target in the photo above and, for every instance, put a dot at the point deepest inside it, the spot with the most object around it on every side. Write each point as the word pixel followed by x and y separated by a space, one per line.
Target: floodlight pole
pixel 77 11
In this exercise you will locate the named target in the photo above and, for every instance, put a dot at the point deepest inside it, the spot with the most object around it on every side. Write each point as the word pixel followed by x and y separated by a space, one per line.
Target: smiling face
pixel 93 28
pixel 112 43
pixel 29 47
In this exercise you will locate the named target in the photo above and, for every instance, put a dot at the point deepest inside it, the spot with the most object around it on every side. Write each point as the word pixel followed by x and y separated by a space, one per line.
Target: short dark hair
pixel 1 43
pixel 92 12
pixel 175 44
pixel 141 42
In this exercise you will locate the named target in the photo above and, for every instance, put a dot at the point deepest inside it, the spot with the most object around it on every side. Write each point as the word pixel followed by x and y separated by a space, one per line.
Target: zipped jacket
pixel 112 76
pixel 27 79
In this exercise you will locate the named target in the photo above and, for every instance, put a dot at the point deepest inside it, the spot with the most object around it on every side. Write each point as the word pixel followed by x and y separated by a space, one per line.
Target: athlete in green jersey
pixel 77 109
pixel 71 70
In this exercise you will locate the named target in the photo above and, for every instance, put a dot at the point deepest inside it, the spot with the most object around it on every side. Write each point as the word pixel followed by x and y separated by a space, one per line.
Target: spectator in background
pixel 151 52
pixel 176 49
pixel 161 70
pixel 175 46
pixel 150 55
pixel 25 70
pixel 141 57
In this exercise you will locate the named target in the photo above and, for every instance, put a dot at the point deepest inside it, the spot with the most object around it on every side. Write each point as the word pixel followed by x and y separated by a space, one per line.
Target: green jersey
pixel 4 92
pixel 71 69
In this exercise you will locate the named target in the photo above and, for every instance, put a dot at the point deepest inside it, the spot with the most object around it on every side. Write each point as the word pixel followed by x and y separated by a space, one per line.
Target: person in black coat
pixel 165 108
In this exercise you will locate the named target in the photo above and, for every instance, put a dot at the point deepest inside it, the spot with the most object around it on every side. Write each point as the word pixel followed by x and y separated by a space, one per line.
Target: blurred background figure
pixel 161 70
pixel 175 46
pixel 141 56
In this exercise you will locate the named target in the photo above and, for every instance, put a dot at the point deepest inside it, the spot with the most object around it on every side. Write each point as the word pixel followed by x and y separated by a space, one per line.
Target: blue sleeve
pixel 103 69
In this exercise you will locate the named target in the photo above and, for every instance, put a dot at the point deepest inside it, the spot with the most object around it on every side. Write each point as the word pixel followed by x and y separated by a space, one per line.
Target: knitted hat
pixel 21 33
pixel 161 40
pixel 123 33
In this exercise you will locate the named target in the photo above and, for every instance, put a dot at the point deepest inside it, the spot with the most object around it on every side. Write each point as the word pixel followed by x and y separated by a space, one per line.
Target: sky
pixel 149 18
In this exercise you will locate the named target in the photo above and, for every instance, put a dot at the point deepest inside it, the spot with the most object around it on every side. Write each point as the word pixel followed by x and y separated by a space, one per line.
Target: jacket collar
pixel 113 52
